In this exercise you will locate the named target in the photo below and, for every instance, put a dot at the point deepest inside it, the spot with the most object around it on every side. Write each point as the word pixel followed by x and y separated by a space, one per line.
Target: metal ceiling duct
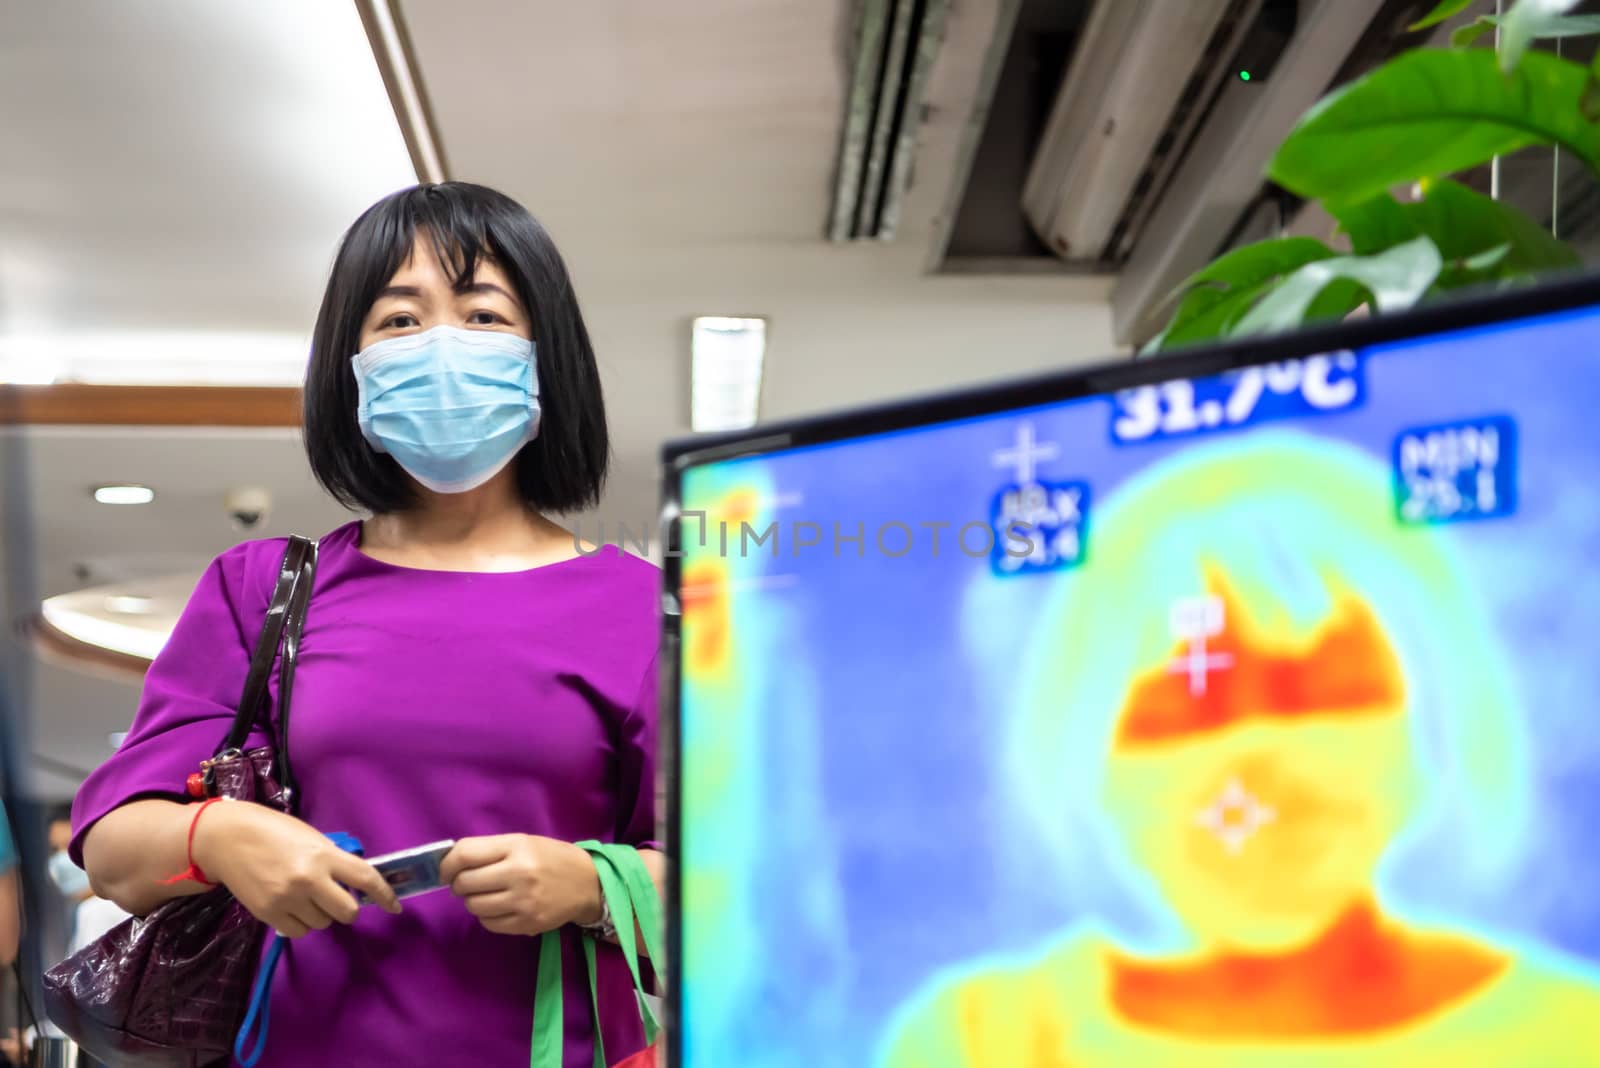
pixel 1134 71
pixel 895 43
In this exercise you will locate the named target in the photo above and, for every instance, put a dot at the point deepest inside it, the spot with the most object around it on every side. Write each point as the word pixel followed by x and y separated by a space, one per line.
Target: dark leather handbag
pixel 170 990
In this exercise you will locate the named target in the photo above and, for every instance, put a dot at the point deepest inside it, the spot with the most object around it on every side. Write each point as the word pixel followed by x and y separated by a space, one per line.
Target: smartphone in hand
pixel 411 871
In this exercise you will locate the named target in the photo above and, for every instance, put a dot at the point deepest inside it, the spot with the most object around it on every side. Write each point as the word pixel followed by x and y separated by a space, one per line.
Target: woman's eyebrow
pixel 485 287
pixel 398 291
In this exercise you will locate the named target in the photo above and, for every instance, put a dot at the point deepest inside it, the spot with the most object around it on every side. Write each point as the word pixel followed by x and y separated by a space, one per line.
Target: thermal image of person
pixel 1258 688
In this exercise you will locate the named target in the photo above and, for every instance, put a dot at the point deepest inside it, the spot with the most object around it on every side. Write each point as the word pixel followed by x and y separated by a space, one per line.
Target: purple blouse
pixel 427 705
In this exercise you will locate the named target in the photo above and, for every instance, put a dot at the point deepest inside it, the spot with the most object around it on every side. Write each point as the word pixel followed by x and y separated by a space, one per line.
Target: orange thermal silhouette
pixel 1346 666
pixel 1361 975
pixel 739 508
pixel 705 614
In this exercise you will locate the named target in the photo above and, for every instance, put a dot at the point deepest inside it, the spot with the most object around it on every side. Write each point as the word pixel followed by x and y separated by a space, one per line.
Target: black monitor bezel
pixel 1447 315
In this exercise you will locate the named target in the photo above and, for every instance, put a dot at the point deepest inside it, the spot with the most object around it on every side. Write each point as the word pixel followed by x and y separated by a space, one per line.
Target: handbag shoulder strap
pixel 290 597
pixel 294 622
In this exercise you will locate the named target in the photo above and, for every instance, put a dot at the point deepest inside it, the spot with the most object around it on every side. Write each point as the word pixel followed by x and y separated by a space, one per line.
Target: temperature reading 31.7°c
pixel 1328 383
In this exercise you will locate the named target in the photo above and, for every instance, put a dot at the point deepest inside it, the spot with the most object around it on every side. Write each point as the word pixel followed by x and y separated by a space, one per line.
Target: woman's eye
pixel 399 322
pixel 484 318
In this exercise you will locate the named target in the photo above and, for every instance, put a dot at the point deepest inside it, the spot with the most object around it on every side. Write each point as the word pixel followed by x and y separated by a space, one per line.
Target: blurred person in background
pixel 71 880
pixel 88 915
pixel 11 1045
pixel 468 670
pixel 10 894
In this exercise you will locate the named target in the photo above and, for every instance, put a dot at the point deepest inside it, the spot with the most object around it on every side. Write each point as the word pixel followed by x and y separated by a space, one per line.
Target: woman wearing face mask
pixel 69 879
pixel 467 672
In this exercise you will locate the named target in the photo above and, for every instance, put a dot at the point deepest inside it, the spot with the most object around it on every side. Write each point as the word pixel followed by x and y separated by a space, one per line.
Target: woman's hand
pixel 524 884
pixel 285 872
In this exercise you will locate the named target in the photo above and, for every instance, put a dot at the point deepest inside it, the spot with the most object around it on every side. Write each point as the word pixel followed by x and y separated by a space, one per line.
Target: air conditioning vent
pixel 1252 35
pixel 895 45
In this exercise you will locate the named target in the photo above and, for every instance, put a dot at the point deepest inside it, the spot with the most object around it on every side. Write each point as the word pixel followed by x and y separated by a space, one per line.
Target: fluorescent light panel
pixel 150 358
pixel 124 494
pixel 729 354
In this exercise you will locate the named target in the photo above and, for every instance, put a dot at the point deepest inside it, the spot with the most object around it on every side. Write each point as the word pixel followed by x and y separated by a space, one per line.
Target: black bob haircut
pixel 561 470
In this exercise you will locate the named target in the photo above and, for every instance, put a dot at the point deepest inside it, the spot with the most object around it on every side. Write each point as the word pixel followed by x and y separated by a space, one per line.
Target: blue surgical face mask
pixel 70 879
pixel 451 406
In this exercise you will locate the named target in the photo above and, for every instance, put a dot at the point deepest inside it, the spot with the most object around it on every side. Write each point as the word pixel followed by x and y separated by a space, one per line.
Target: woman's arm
pixel 133 848
pixel 282 870
pixel 279 868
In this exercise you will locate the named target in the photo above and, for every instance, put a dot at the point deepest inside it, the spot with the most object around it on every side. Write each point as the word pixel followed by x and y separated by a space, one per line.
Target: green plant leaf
pixel 1152 347
pixel 1373 224
pixel 1259 261
pixel 1464 224
pixel 1570 26
pixel 1467 35
pixel 1528 20
pixel 1482 269
pixel 1485 260
pixel 1396 278
pixel 1214 316
pixel 1589 102
pixel 1562 26
pixel 1447 9
pixel 1215 297
pixel 1430 112
pixel 1341 297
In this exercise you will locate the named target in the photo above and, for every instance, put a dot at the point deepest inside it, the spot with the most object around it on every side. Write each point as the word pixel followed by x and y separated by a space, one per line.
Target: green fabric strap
pixel 631 896
pixel 547 1003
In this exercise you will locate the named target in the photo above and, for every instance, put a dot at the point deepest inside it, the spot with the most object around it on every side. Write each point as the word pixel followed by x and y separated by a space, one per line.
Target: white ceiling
pixel 191 471
pixel 181 174
pixel 182 166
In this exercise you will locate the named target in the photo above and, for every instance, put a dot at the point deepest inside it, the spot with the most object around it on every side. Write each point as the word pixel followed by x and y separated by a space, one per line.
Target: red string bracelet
pixel 193 872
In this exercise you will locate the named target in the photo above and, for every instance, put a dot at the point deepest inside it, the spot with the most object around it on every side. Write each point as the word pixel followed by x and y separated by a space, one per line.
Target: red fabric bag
pixel 649 1057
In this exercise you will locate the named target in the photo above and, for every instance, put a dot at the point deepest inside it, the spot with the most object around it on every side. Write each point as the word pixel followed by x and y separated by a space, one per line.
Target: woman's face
pixel 1263 835
pixel 1262 786
pixel 420 297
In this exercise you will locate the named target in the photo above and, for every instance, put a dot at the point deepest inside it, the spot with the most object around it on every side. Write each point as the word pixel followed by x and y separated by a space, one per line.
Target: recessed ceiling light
pixel 128 604
pixel 124 494
pixel 728 358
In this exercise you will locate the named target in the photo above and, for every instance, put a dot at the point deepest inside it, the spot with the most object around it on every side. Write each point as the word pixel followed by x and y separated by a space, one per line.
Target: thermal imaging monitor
pixel 1226 710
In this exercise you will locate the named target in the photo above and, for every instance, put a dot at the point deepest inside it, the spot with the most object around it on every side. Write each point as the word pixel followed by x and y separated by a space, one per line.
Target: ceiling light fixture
pixel 154 358
pixel 30 370
pixel 129 494
pixel 142 640
pixel 129 604
pixel 729 354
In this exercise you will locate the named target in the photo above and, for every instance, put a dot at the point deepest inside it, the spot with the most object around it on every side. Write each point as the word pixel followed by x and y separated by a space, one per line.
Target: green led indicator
pixel 1244 76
